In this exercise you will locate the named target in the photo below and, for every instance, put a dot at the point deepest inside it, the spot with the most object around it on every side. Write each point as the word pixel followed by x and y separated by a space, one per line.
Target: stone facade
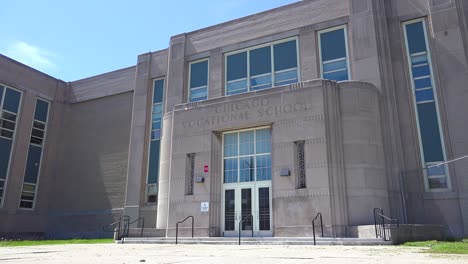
pixel 360 136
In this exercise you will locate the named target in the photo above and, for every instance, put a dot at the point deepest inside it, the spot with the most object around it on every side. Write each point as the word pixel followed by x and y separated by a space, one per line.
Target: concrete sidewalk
pixel 225 254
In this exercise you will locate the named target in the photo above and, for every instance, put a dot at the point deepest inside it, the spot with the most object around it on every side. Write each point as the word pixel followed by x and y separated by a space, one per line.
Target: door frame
pixel 237 187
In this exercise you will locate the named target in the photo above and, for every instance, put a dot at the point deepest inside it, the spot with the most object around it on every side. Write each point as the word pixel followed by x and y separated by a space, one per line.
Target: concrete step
pixel 258 241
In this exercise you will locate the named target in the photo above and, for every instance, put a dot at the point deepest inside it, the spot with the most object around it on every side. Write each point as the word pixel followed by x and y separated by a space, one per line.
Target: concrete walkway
pixel 224 254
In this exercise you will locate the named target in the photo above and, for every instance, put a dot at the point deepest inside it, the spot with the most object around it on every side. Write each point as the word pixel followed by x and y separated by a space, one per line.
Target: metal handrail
pixel 379 223
pixel 240 226
pixel 142 225
pixel 124 219
pixel 180 222
pixel 313 225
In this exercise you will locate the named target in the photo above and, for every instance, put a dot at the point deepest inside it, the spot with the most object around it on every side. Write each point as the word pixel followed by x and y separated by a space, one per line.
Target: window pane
pixel 335 65
pixel 337 76
pixel 24 204
pixel 230 170
pixel 424 95
pixel 29 187
pixel 198 94
pixel 32 164
pixel 237 66
pixel 158 91
pixel 37 141
pixel 263 167
pixel 37 133
pixel 9 116
pixel 7 124
pixel 416 38
pixel 27 196
pixel 39 125
pixel 438 183
pixel 421 71
pixel 247 169
pixel 262 82
pixel 333 45
pixel 230 144
pixel 286 77
pixel 430 135
pixel 199 74
pixel 5 148
pixel 264 208
pixel 419 59
pixel 229 210
pixel 41 110
pixel 263 140
pixel 260 61
pixel 156 134
pixel 157 108
pixel 435 171
pixel 246 143
pixel 6 133
pixel 153 166
pixel 422 83
pixel 12 99
pixel 285 55
pixel 237 87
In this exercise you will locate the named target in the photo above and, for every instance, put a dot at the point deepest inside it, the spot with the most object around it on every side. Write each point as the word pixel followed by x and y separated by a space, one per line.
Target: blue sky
pixel 72 40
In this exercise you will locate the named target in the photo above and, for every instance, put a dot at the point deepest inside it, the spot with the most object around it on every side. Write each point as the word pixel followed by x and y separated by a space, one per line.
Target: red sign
pixel 205 168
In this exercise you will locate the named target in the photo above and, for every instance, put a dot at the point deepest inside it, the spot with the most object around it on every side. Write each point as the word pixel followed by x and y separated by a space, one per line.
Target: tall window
pixel 334 62
pixel 33 162
pixel 198 80
pixel 247 155
pixel 9 108
pixel 425 101
pixel 262 67
pixel 155 141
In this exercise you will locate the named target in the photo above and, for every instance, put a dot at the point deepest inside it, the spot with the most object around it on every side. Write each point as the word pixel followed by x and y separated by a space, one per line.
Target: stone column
pixel 173 96
pixel 137 135
pixel 335 157
pixel 164 172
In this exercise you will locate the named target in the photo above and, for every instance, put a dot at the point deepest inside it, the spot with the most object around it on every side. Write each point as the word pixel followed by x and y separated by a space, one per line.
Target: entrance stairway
pixel 257 241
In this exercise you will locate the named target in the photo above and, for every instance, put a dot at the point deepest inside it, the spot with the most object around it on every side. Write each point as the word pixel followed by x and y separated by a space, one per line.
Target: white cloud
pixel 30 55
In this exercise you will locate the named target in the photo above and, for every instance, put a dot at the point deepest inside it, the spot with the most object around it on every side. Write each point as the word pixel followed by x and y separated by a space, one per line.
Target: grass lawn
pixel 460 247
pixel 21 243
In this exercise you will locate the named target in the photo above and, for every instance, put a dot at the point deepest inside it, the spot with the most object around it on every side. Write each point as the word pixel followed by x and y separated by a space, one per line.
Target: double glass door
pixel 250 203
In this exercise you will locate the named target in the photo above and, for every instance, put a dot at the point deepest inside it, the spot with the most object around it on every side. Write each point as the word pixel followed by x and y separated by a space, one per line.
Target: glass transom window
pixel 262 67
pixel 247 155
pixel 334 54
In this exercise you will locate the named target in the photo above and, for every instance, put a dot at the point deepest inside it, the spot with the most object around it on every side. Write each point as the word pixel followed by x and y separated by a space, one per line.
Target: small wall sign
pixel 205 168
pixel 205 206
